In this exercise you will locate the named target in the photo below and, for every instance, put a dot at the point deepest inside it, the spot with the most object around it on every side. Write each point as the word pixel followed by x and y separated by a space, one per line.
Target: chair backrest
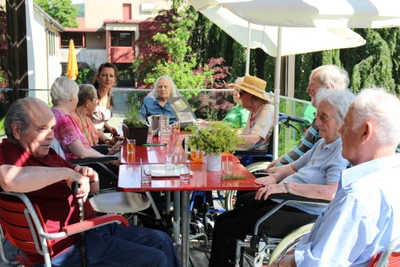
pixel 388 257
pixel 22 222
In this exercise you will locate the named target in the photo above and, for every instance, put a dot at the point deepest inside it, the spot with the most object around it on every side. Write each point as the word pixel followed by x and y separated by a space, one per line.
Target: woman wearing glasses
pixel 314 175
pixel 87 102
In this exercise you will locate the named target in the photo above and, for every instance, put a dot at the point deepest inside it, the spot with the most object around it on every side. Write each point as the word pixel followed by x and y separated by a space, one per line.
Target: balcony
pixel 122 54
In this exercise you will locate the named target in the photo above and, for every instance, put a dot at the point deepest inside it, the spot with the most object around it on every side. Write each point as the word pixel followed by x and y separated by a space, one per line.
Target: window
pixel 51 42
pixel 125 75
pixel 127 11
pixel 121 38
pixel 76 36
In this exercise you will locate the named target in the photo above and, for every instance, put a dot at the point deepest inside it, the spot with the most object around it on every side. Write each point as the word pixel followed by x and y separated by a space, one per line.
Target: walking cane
pixel 75 187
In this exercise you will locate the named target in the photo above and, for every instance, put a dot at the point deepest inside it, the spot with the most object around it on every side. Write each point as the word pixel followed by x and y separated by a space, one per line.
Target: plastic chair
pixel 388 257
pixel 108 201
pixel 120 203
pixel 23 225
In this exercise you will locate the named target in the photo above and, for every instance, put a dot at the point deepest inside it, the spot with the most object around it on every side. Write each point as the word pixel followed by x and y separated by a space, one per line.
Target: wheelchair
pixel 270 243
pixel 257 161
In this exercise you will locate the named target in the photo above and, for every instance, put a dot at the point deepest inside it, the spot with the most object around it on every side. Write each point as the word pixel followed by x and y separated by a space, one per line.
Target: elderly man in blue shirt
pixel 364 216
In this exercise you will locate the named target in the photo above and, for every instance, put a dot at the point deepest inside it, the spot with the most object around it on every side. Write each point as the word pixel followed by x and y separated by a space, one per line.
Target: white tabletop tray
pixel 158 170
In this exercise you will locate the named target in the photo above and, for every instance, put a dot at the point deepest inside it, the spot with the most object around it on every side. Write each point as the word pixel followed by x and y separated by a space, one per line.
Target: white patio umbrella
pixel 294 40
pixel 307 13
pixel 316 13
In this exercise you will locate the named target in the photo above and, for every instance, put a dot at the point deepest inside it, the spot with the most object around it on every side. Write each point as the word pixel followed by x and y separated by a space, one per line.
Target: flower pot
pixel 213 162
pixel 138 133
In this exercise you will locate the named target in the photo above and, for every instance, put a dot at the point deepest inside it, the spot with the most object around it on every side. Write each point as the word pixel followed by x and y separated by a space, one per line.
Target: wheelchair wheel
pixel 289 242
pixel 258 168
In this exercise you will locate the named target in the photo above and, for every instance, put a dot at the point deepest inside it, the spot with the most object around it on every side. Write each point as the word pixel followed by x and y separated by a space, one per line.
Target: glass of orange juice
pixel 130 146
pixel 196 155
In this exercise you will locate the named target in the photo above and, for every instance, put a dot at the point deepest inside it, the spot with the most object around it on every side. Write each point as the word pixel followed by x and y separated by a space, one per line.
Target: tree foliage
pixel 61 10
pixel 166 50
pixel 3 51
pixel 375 64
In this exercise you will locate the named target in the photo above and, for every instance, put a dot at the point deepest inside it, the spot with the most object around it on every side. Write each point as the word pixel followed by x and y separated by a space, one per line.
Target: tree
pixel 3 50
pixel 61 10
pixel 180 63
pixel 165 50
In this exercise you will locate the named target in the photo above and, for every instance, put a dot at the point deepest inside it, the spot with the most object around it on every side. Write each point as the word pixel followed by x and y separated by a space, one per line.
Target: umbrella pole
pixel 277 92
pixel 248 49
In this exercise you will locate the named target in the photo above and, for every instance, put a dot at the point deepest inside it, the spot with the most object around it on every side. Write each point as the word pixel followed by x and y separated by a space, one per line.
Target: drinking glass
pixel 146 176
pixel 177 128
pixel 227 166
pixel 130 146
pixel 168 162
pixel 184 172
pixel 196 155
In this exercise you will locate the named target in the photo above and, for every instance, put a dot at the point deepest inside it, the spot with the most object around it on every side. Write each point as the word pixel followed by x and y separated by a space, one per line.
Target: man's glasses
pixel 322 117
pixel 96 100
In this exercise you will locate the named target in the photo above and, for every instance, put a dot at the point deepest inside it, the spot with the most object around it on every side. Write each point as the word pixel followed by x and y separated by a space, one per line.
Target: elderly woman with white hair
pixel 314 175
pixel 64 96
pixel 155 103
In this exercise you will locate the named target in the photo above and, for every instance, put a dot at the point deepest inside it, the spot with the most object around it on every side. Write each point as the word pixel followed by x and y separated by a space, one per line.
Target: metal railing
pixel 288 136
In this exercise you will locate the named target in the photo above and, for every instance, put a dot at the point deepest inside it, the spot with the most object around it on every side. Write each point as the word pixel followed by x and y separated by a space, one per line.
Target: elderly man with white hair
pixel 364 216
pixel 325 76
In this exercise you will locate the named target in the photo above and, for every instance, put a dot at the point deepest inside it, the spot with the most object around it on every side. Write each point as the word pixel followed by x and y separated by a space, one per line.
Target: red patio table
pixel 201 180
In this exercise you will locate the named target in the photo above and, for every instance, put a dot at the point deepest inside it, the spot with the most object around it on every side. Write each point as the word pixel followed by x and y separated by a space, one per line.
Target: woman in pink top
pixel 87 101
pixel 64 96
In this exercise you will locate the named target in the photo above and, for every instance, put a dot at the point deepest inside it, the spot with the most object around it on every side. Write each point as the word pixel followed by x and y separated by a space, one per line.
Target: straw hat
pixel 254 86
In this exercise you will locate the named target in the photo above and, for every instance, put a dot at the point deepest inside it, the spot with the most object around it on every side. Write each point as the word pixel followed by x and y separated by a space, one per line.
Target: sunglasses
pixel 242 93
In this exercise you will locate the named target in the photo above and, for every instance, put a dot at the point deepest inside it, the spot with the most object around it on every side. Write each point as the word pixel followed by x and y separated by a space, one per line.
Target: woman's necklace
pixel 85 126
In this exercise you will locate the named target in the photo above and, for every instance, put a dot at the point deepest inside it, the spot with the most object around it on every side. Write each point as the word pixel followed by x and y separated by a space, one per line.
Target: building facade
pixel 106 34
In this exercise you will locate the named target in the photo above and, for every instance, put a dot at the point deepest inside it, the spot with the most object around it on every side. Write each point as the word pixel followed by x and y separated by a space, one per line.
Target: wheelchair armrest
pixel 93 223
pixel 103 148
pixel 295 198
pixel 286 199
pixel 92 160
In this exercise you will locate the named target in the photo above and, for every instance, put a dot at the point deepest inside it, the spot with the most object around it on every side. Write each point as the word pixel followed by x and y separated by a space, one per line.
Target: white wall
pixel 42 68
pixel 96 11
pixel 93 57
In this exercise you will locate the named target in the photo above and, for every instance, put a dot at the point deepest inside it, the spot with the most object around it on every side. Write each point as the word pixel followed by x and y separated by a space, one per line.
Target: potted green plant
pixel 134 126
pixel 213 140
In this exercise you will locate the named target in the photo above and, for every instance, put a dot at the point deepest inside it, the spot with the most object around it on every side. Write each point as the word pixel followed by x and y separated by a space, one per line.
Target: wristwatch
pixel 287 187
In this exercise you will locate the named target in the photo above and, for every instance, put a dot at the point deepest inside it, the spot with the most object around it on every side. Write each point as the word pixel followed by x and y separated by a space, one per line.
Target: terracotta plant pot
pixel 138 133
